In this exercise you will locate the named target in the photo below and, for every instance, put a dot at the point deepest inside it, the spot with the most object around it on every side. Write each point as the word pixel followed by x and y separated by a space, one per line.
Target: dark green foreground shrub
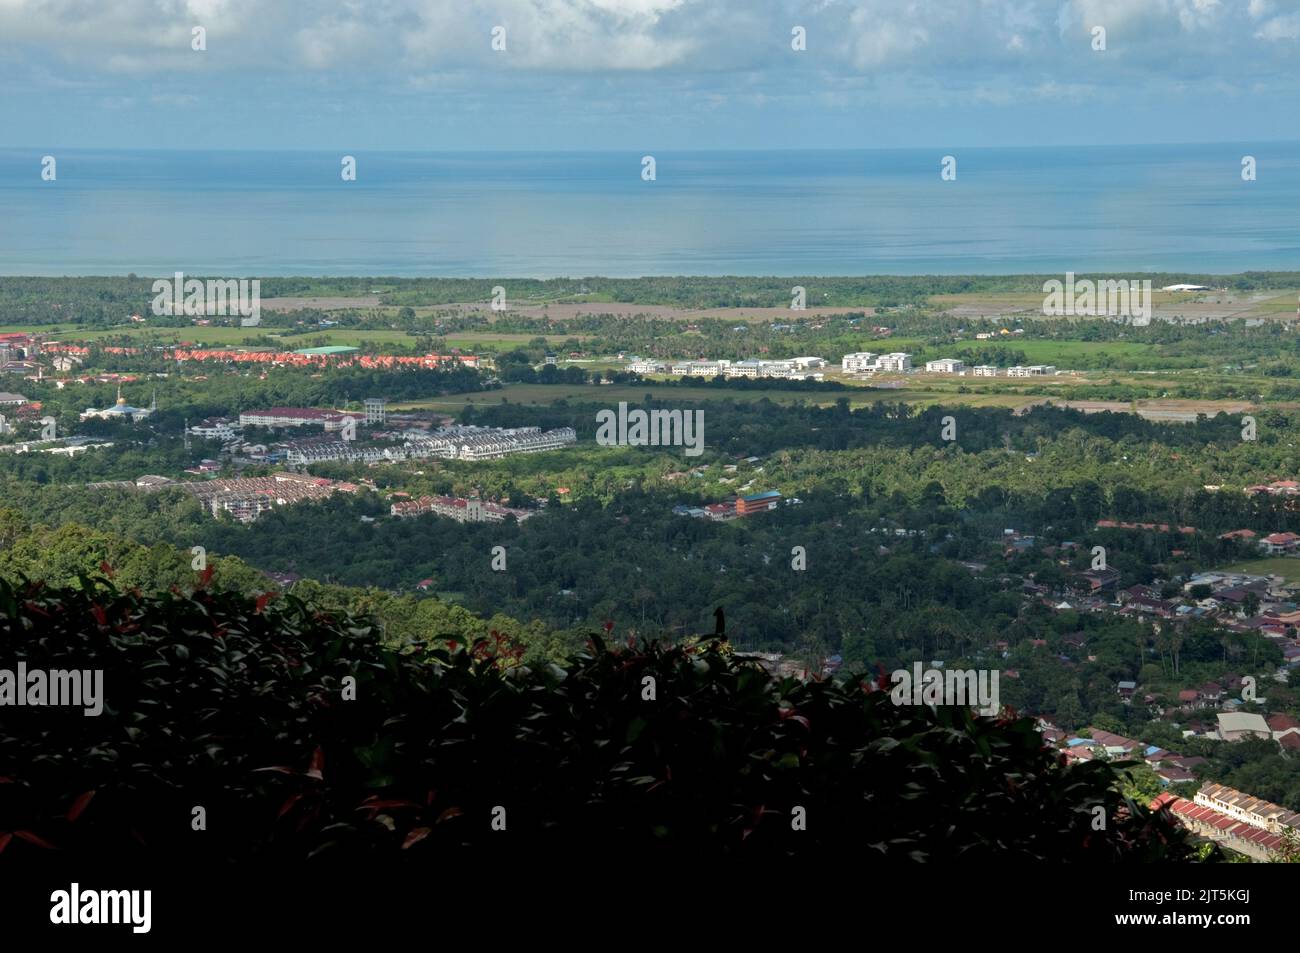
pixel 218 700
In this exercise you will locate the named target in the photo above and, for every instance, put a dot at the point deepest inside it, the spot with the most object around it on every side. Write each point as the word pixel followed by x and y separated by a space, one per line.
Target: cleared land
pixel 1165 305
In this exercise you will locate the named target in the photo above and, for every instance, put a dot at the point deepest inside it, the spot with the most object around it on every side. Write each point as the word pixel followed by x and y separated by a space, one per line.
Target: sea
pixel 1103 209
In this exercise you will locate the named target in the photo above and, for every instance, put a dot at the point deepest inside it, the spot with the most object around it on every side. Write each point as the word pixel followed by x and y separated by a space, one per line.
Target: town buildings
pixel 1233 819
pixel 459 509
pixel 298 417
pixel 797 368
pixel 449 443
pixel 247 498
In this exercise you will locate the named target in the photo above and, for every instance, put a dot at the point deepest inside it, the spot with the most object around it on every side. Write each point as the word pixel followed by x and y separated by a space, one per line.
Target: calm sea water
pixel 1108 209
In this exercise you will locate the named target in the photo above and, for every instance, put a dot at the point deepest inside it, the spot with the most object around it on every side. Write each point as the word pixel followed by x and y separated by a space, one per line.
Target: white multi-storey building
pixel 298 417
pixel 896 363
pixel 858 362
pixel 214 428
pixel 1033 370
pixel 946 365
pixel 744 369
pixel 700 368
pixel 985 370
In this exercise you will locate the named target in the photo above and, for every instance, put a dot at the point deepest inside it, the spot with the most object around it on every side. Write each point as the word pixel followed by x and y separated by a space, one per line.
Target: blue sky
pixel 360 75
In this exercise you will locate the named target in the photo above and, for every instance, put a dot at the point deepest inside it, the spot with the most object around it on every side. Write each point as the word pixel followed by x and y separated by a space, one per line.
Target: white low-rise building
pixel 985 370
pixel 946 365
pixel 1032 370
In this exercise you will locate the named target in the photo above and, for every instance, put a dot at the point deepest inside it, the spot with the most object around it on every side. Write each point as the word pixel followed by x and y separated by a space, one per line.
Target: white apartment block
pixel 1033 370
pixel 744 369
pixel 985 370
pixel 858 362
pixel 646 367
pixel 699 368
pixel 896 363
pixel 214 429
pixel 945 366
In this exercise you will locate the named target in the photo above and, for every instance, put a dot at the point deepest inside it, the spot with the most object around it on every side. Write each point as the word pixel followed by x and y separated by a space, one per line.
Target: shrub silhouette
pixel 235 704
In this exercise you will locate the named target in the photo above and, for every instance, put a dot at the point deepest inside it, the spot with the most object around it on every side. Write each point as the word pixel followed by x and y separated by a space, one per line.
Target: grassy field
pixel 543 394
pixel 1283 566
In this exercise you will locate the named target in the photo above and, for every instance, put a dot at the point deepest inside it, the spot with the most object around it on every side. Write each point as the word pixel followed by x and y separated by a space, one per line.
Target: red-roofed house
pixel 1279 543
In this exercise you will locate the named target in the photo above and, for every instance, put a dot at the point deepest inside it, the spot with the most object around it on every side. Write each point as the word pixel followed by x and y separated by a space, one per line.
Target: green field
pixel 1284 566
pixel 543 394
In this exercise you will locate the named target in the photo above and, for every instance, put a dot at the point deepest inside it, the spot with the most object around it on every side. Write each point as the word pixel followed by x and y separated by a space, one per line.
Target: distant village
pixel 860 364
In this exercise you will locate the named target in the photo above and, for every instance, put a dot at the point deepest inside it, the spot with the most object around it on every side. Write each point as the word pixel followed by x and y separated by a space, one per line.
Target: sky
pixel 423 75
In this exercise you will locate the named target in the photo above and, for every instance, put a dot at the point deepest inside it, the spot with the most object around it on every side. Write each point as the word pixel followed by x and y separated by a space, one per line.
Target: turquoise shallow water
pixel 1102 209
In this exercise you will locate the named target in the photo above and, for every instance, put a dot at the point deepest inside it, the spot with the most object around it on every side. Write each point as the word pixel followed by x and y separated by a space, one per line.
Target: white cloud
pixel 952 48
pixel 1280 28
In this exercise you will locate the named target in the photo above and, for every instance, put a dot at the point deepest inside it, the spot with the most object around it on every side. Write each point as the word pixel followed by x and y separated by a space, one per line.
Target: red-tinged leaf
pixel 106 569
pixel 449 814
pixel 205 577
pixel 417 835
pixel 262 601
pixel 34 839
pixel 288 804
pixel 6 780
pixel 317 765
pixel 98 612
pixel 383 805
pixel 802 720
pixel 5 838
pixel 79 805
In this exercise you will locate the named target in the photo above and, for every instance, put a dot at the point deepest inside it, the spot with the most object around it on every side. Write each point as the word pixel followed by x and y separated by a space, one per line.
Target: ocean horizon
pixel 1038 210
